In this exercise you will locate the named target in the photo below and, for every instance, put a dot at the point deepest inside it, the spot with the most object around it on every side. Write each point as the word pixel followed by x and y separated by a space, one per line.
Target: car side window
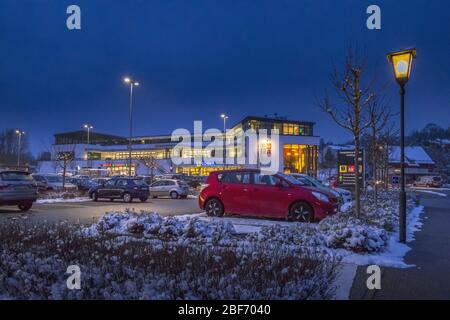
pixel 110 183
pixel 265 179
pixel 236 178
pixel 156 184
pixel 122 183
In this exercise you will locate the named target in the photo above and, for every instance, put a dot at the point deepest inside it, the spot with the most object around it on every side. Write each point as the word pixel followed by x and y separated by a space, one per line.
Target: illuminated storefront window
pixel 300 159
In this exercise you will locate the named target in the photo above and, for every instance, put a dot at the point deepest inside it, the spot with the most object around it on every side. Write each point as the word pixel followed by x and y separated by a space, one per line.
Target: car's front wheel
pixel 301 212
pixel 174 195
pixel 214 208
pixel 25 206
pixel 127 197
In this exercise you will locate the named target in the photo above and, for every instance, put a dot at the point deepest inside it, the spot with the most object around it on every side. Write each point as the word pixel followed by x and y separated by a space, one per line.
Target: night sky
pixel 196 59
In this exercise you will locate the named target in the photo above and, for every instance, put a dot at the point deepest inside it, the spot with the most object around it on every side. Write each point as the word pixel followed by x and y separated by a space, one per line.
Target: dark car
pixel 17 188
pixel 121 188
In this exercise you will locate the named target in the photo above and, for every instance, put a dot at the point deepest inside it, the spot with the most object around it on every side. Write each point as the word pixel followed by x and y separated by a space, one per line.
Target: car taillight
pixel 4 186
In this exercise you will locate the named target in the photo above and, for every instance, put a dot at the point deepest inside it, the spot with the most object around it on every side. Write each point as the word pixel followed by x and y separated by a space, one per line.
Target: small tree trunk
pixel 374 165
pixel 64 174
pixel 357 184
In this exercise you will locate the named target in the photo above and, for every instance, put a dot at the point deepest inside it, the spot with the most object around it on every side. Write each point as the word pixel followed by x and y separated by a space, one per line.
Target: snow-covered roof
pixel 442 141
pixel 334 147
pixel 413 155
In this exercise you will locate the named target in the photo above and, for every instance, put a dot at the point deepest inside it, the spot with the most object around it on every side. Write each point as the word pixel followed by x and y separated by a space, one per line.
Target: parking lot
pixel 87 211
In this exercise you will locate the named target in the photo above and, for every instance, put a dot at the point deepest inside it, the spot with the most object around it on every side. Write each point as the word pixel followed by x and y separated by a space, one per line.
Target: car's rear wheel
pixel 25 206
pixel 174 195
pixel 143 199
pixel 127 197
pixel 214 208
pixel 301 212
pixel 94 196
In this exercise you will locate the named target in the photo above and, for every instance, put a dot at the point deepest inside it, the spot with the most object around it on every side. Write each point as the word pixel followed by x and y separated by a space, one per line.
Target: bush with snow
pixel 145 256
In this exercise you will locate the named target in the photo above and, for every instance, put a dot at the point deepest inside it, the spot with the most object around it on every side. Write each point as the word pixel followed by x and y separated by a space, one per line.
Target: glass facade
pixel 283 126
pixel 300 159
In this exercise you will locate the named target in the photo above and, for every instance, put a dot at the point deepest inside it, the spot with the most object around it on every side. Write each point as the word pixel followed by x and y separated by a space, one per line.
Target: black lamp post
pixel 401 62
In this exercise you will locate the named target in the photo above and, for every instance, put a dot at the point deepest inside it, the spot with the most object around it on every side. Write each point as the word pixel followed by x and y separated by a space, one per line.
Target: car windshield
pixel 315 182
pixel 54 179
pixel 16 176
pixel 291 179
pixel 139 182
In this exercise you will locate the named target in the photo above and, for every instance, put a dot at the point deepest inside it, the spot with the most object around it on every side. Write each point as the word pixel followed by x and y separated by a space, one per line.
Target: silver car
pixel 342 194
pixel 169 188
pixel 17 188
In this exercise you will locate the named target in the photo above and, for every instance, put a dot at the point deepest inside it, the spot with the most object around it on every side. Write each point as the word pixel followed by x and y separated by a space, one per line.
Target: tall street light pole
pixel 19 147
pixel 88 127
pixel 132 84
pixel 224 117
pixel 401 62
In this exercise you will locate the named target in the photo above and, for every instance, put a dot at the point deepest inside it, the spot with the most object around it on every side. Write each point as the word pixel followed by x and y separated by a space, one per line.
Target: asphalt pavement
pixel 429 278
pixel 88 211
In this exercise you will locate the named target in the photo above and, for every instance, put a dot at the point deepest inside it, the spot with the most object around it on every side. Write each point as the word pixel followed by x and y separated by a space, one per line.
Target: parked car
pixel 41 182
pixel 428 181
pixel 83 183
pixel 121 188
pixel 344 195
pixel 169 188
pixel 250 192
pixel 17 188
pixel 54 182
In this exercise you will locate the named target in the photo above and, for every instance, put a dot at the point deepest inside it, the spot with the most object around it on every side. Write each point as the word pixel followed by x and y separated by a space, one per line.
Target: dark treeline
pixel 9 148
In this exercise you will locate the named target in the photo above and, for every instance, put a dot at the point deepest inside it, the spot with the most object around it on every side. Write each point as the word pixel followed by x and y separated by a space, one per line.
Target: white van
pixel 428 181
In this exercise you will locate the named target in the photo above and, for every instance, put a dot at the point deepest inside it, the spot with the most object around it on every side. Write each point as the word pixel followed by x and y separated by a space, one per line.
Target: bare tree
pixel 388 137
pixel 150 162
pixel 63 156
pixel 379 114
pixel 350 112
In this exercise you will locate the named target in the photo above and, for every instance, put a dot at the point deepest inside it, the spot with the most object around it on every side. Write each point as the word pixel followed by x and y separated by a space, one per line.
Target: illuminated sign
pixel 347 169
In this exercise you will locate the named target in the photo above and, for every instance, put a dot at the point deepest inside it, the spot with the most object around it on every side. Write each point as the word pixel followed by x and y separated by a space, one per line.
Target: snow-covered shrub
pixel 347 232
pixel 133 259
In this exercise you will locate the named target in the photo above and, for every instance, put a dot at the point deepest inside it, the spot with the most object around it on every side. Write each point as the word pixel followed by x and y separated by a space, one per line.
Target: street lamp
pixel 401 62
pixel 19 133
pixel 89 128
pixel 224 117
pixel 132 84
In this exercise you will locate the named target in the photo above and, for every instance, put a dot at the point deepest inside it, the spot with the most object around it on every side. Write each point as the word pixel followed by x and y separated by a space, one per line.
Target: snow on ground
pixel 393 255
pixel 60 200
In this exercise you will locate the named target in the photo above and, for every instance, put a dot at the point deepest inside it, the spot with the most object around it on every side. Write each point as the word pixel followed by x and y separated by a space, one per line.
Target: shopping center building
pixel 108 155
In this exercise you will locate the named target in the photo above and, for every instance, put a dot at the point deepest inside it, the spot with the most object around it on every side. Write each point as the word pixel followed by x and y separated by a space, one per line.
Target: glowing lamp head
pixel 401 63
pixel 126 80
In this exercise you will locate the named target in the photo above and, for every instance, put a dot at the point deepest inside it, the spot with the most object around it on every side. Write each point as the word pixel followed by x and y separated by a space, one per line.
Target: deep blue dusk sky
pixel 196 59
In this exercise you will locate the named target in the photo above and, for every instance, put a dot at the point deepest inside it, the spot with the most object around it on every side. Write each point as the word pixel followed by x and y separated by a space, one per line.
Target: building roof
pixel 277 119
pixel 413 155
pixel 339 148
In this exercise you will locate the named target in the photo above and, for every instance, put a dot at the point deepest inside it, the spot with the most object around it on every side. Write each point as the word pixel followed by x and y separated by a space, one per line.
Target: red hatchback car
pixel 252 193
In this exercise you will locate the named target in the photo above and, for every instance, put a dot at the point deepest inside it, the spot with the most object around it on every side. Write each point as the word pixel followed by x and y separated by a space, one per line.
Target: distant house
pixel 417 162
